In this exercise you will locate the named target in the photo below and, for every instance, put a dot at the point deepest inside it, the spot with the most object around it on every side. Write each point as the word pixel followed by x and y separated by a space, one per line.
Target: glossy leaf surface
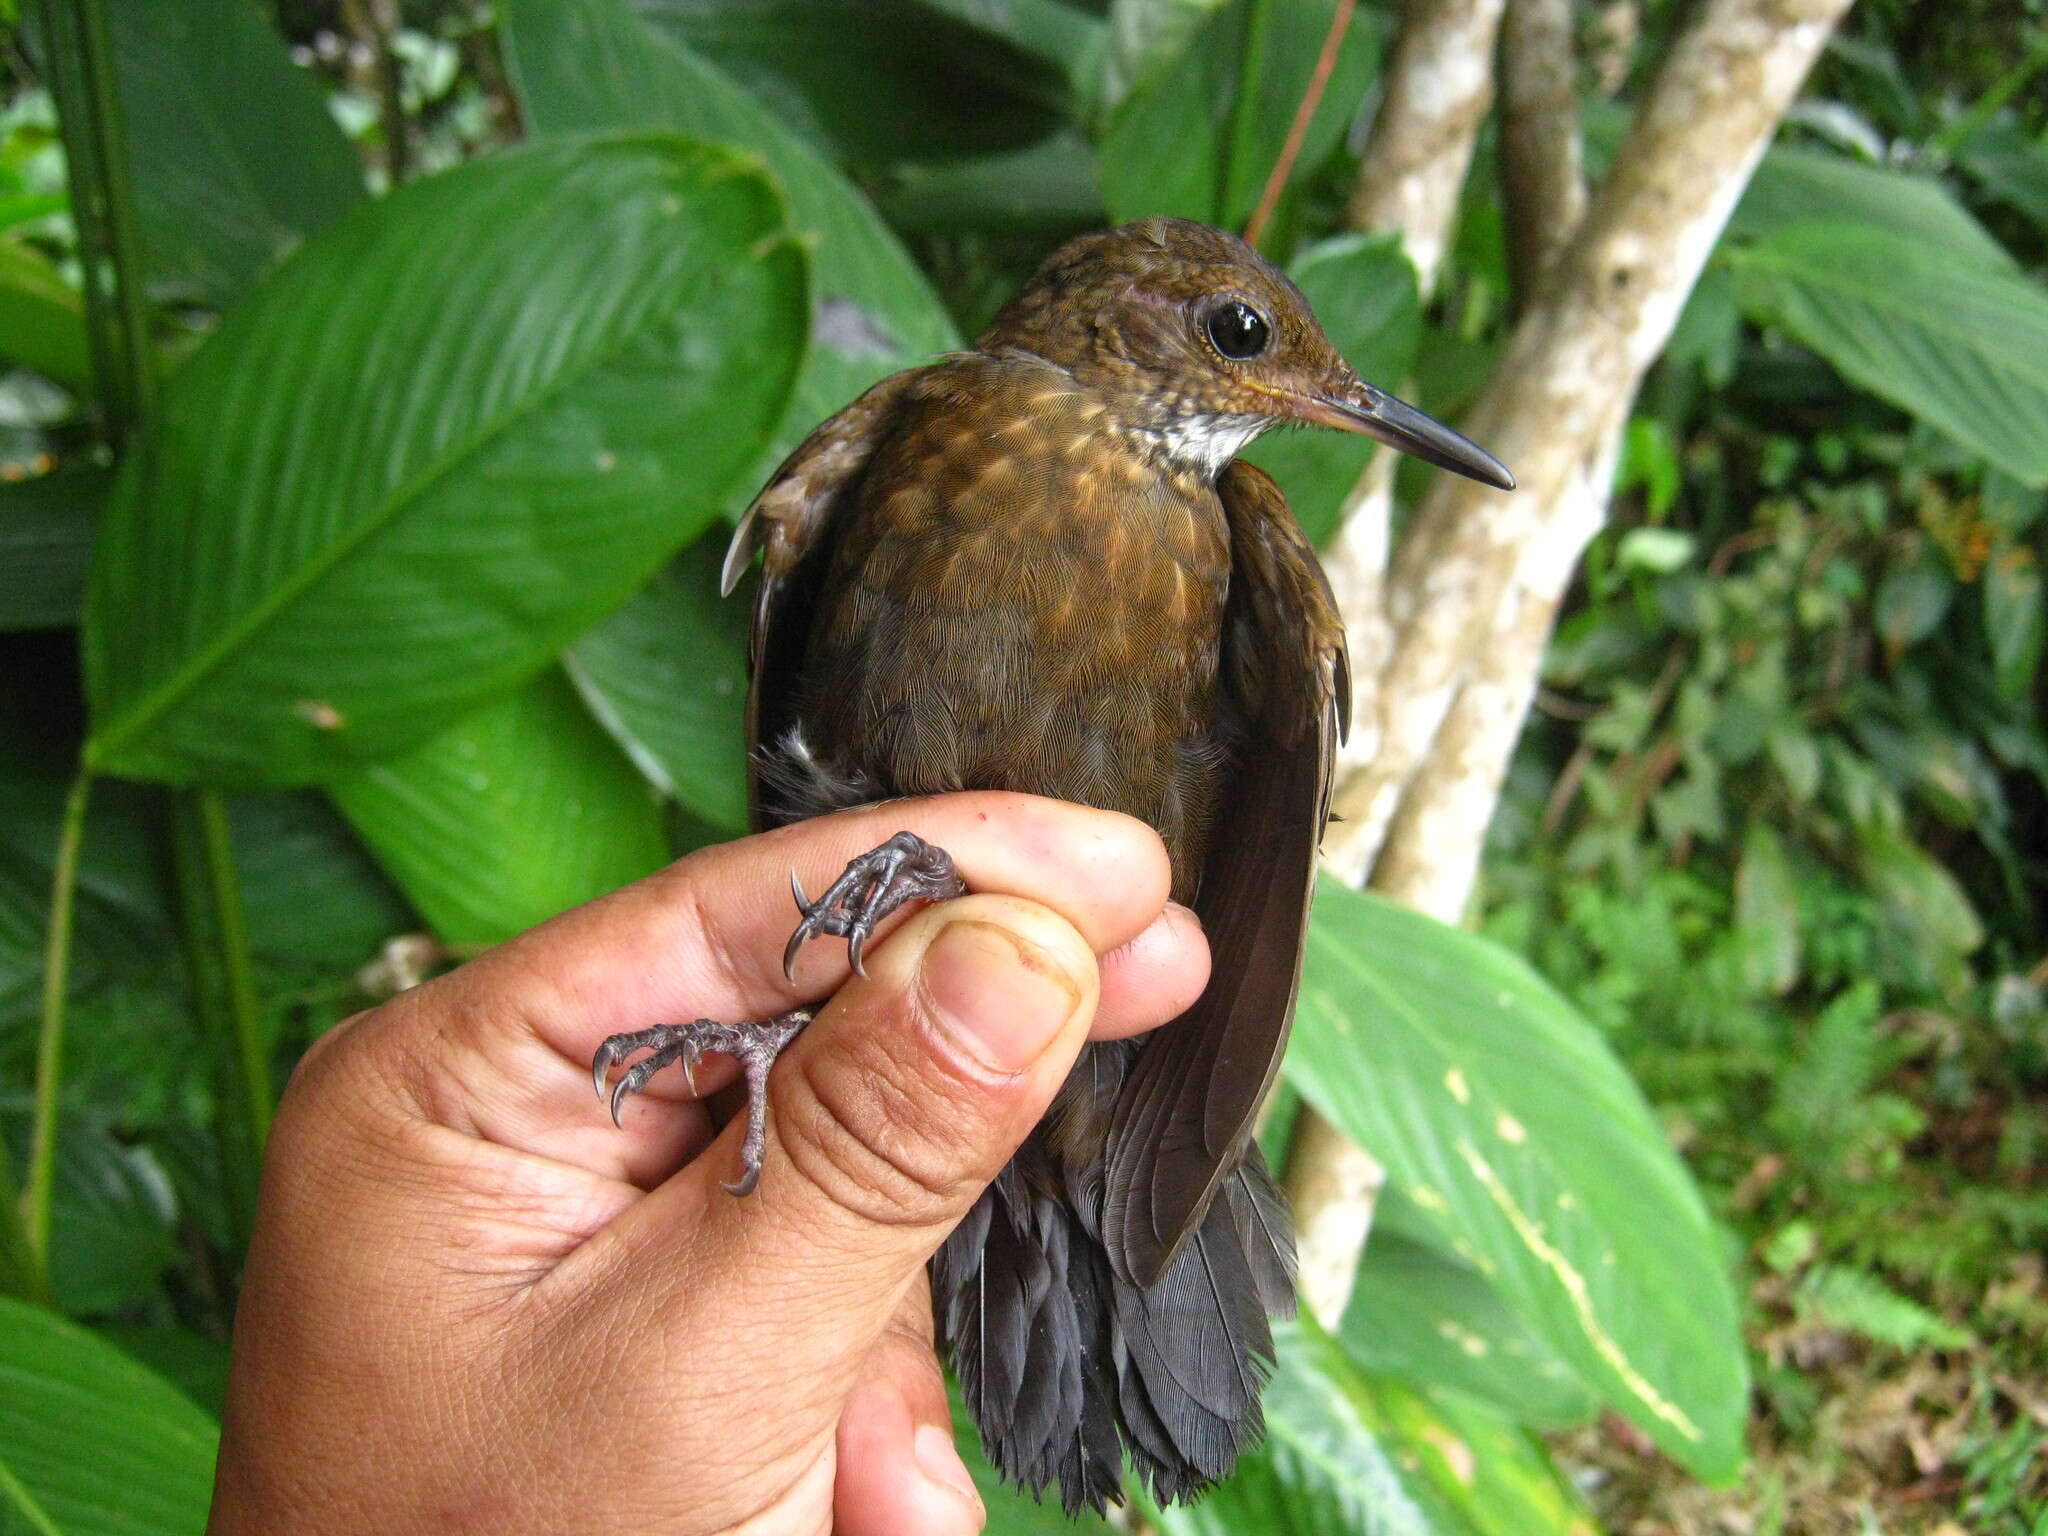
pixel 91 1442
pixel 1505 1118
pixel 594 64
pixel 448 435
pixel 518 811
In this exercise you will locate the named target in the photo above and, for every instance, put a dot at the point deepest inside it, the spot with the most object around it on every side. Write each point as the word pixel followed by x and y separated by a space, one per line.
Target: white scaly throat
pixel 1208 442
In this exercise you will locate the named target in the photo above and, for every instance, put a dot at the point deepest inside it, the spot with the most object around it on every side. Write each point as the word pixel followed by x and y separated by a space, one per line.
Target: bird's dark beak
pixel 1399 425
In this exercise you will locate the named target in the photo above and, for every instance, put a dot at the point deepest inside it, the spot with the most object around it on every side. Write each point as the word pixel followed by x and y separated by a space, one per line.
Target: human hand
pixel 473 1304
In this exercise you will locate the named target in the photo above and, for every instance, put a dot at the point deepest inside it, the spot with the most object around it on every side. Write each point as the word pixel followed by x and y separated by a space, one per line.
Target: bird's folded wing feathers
pixel 792 523
pixel 1188 1107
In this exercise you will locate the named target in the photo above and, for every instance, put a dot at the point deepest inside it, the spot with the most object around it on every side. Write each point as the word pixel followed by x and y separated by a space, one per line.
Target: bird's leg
pixel 753 1044
pixel 905 868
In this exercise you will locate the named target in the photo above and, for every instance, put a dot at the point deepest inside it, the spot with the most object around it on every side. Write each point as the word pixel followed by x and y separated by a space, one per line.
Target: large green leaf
pixel 91 1442
pixel 1801 186
pixel 884 80
pixel 42 319
pixel 1047 189
pixel 1363 290
pixel 2009 163
pixel 46 531
pixel 667 676
pixel 448 435
pixel 1501 1114
pixel 236 160
pixel 519 811
pixel 1958 342
pixel 1426 1315
pixel 1201 138
pixel 585 64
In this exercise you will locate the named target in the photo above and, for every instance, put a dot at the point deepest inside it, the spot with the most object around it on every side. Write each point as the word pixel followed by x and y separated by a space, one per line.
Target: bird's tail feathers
pixel 1064 1366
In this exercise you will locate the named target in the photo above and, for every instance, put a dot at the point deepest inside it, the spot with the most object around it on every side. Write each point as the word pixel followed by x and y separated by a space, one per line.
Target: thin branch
pixel 1304 114
pixel 1439 85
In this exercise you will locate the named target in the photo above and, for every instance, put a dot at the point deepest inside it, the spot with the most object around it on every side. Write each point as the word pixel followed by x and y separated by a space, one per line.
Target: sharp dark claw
pixel 754 1045
pixel 744 1184
pixel 905 868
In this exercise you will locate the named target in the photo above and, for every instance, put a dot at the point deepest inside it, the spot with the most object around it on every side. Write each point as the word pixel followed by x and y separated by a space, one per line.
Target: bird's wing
pixel 1186 1112
pixel 793 523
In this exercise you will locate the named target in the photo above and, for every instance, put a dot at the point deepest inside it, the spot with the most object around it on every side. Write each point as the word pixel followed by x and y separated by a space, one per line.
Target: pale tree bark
pixel 1543 180
pixel 1439 86
pixel 1472 591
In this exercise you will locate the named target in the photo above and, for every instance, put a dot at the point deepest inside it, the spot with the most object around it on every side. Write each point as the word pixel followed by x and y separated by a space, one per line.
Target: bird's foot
pixel 754 1045
pixel 905 868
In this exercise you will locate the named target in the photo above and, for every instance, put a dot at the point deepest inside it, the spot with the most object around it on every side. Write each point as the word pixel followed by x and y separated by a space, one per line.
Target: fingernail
pixel 941 1463
pixel 1006 999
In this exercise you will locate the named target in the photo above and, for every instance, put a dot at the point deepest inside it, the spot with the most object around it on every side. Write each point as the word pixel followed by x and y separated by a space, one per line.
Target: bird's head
pixel 1199 343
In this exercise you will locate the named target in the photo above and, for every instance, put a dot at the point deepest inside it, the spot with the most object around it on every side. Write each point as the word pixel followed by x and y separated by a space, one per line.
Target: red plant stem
pixel 1311 98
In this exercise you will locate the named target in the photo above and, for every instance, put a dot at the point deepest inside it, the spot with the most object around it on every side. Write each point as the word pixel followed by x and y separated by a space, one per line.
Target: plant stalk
pixel 224 994
pixel 42 1137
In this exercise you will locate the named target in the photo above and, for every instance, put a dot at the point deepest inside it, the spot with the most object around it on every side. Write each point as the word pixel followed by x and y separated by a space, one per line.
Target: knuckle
pixel 874 1144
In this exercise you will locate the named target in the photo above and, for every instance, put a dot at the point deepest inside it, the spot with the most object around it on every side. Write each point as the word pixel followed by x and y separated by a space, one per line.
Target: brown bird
pixel 1038 566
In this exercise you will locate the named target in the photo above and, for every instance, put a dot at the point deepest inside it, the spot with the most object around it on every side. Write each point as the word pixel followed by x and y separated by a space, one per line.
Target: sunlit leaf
pixel 1504 1117
pixel 1422 1314
pixel 1793 185
pixel 1767 911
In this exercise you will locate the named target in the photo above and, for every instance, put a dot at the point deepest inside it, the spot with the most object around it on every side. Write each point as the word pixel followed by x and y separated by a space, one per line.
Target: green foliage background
pixel 366 564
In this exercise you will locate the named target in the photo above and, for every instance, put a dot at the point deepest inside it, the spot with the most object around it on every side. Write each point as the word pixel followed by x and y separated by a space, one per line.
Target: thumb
pixel 887 1118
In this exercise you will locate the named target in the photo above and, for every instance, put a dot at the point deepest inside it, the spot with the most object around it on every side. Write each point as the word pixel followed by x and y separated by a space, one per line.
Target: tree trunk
pixel 1468 601
pixel 1439 86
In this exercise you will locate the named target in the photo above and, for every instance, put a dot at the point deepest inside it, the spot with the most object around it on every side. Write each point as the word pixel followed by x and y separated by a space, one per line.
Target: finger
pixel 1154 978
pixel 706 935
pixel 898 1472
pixel 887 1119
pixel 504 1040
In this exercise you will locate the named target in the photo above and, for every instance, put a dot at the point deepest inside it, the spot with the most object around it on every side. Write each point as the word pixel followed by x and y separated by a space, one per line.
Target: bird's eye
pixel 1238 331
